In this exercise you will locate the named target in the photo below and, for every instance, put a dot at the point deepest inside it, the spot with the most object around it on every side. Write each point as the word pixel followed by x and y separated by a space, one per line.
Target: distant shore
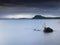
pixel 35 17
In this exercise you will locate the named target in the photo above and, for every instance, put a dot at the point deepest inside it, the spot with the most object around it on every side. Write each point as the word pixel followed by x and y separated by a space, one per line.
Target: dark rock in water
pixel 48 29
pixel 34 29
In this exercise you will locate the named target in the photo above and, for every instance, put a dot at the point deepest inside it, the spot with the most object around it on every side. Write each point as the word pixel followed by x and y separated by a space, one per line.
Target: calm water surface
pixel 21 32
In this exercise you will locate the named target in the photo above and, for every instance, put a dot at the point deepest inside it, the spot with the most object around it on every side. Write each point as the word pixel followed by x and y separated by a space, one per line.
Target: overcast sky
pixel 22 8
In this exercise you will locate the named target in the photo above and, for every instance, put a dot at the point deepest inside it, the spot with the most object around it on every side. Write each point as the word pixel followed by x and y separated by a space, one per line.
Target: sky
pixel 29 8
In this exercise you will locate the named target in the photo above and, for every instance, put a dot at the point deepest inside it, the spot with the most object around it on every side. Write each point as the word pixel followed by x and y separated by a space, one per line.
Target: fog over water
pixel 21 32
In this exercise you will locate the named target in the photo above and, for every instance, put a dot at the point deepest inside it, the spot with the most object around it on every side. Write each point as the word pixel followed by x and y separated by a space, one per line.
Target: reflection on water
pixel 21 32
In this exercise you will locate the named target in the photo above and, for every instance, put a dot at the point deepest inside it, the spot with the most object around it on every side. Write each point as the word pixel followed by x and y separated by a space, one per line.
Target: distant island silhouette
pixel 42 17
pixel 35 17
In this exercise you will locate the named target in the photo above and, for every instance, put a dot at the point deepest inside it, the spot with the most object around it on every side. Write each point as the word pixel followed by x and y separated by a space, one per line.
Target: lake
pixel 21 32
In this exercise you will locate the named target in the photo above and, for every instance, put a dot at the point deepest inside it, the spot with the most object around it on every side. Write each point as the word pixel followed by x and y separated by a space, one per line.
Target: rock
pixel 36 30
pixel 48 29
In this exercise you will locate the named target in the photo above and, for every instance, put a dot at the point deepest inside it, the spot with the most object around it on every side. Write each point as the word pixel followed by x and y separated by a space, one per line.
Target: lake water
pixel 21 32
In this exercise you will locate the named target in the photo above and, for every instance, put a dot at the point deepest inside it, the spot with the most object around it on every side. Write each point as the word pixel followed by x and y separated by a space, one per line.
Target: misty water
pixel 21 32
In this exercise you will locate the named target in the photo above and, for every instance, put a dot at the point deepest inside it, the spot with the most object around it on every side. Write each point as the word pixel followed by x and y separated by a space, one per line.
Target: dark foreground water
pixel 21 32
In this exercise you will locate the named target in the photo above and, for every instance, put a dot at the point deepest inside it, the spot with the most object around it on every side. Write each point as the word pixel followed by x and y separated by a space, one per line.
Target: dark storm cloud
pixel 44 7
pixel 33 3
pixel 25 1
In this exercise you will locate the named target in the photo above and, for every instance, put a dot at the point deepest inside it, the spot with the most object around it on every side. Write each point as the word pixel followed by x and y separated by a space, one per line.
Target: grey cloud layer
pixel 50 8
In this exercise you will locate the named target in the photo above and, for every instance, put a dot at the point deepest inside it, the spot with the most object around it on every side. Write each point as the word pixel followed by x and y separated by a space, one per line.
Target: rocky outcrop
pixel 48 30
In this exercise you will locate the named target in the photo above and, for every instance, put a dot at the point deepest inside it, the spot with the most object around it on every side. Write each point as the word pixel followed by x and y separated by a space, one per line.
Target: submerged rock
pixel 48 29
pixel 36 30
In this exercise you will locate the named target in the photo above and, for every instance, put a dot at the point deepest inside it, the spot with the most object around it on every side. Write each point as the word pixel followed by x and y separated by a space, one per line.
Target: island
pixel 35 17
pixel 42 17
